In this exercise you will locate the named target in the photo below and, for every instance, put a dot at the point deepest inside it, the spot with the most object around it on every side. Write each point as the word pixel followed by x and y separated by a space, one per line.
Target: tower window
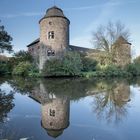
pixel 52 113
pixel 50 53
pixel 51 35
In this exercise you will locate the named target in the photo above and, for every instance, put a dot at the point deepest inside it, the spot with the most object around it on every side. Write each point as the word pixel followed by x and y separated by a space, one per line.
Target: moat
pixel 69 109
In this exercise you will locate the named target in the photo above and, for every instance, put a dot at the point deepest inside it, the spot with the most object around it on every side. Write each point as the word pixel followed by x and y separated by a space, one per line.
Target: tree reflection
pixel 6 104
pixel 112 103
pixel 110 96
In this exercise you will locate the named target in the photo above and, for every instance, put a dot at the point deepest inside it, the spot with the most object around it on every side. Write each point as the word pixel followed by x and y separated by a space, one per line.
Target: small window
pixel 50 53
pixel 51 123
pixel 51 35
pixel 52 113
pixel 53 53
pixel 50 23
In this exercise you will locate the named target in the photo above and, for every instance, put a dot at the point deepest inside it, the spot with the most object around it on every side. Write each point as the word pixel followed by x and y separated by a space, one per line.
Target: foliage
pixel 3 69
pixel 133 69
pixel 23 56
pixel 108 71
pixel 88 64
pixel 137 60
pixel 6 104
pixel 5 66
pixel 72 63
pixel 69 65
pixel 23 69
pixel 5 40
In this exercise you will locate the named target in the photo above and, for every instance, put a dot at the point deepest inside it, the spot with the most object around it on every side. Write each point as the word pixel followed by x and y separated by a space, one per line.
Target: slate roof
pixel 82 49
pixel 34 42
pixel 54 12
pixel 122 40
pixel 71 48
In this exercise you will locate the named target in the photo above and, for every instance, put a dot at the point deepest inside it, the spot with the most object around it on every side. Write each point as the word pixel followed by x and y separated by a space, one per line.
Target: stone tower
pixel 54 35
pixel 121 52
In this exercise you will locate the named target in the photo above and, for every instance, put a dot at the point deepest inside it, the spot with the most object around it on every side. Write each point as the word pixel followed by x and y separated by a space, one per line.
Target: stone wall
pixel 35 51
pixel 58 44
pixel 122 54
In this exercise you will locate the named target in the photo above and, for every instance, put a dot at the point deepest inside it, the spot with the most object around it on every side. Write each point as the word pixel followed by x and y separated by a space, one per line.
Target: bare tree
pixel 106 36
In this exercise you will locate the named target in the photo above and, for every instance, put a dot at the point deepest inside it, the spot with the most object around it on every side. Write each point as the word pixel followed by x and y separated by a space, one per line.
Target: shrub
pixel 88 64
pixel 52 67
pixel 5 68
pixel 72 64
pixel 133 69
pixel 137 60
pixel 22 69
pixel 69 65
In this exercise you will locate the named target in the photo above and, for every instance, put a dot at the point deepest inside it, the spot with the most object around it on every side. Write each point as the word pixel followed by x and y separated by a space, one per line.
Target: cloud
pixel 26 14
pixel 110 3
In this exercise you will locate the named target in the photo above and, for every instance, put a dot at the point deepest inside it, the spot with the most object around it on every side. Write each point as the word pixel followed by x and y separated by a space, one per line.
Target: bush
pixel 5 68
pixel 137 60
pixel 22 69
pixel 69 65
pixel 133 69
pixel 88 64
pixel 72 64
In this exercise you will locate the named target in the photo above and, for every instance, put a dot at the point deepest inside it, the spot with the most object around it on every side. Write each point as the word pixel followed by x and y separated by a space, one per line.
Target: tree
pixel 137 60
pixel 105 36
pixel 5 40
pixel 23 56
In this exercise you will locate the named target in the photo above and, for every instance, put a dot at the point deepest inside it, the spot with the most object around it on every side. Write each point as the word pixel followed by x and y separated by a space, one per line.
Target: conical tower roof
pixel 54 12
pixel 122 40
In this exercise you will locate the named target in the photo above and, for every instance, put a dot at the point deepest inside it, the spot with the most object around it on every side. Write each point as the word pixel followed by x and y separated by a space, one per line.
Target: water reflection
pixel 6 102
pixel 55 110
pixel 112 105
pixel 109 99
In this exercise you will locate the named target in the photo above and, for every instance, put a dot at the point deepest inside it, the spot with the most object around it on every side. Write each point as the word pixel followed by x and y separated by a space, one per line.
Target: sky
pixel 21 19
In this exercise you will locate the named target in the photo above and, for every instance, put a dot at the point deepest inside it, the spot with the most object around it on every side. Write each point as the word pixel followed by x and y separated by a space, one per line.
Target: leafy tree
pixel 5 40
pixel 23 56
pixel 137 60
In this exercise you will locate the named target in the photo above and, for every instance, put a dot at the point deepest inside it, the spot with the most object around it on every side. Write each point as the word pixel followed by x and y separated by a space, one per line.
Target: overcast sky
pixel 21 17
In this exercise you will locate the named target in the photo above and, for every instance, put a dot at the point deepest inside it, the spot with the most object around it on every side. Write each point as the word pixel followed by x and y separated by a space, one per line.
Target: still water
pixel 69 109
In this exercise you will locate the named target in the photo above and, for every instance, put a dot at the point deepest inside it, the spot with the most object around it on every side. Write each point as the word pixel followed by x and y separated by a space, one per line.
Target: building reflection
pixel 110 101
pixel 55 110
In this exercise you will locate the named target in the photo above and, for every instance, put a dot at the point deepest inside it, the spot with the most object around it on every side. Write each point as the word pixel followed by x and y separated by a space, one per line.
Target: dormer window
pixel 51 35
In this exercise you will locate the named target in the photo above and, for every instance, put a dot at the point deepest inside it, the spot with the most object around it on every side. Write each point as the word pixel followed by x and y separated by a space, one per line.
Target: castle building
pixel 54 40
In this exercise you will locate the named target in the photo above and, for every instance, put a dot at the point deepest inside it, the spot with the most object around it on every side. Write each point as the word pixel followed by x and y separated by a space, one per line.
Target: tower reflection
pixel 55 110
